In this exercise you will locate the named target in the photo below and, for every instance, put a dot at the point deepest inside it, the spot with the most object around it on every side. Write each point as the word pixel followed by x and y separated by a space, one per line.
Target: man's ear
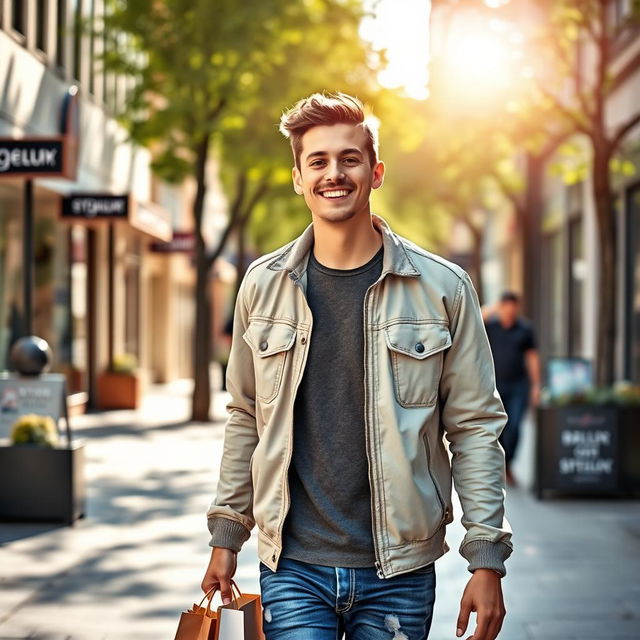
pixel 297 180
pixel 378 175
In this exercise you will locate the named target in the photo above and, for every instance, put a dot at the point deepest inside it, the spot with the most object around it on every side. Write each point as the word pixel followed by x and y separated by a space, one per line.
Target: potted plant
pixel 119 387
pixel 588 442
pixel 40 478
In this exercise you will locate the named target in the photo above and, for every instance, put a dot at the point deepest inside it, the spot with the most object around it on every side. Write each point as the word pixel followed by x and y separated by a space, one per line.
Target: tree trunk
pixel 530 236
pixel 201 399
pixel 240 230
pixel 606 221
pixel 476 258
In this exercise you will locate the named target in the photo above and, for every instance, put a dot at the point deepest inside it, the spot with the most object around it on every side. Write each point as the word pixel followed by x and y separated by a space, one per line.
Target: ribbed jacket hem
pixel 227 533
pixel 485 554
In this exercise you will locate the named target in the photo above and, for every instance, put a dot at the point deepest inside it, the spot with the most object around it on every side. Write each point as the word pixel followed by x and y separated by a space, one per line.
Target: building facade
pixel 102 287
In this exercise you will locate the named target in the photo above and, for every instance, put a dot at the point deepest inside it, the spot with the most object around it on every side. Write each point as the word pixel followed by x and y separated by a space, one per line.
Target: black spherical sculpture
pixel 30 356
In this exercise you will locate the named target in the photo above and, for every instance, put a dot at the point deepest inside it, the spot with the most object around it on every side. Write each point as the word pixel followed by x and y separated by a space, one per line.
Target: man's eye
pixel 351 160
pixel 317 163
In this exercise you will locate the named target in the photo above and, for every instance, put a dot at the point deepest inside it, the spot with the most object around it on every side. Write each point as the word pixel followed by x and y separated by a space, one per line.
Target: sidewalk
pixel 128 568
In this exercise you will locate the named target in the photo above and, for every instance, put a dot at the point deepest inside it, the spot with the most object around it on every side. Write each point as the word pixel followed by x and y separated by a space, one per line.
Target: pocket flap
pixel 418 340
pixel 267 338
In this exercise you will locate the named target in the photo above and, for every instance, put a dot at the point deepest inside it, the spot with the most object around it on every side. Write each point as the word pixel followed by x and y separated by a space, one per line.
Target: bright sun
pixel 476 58
pixel 402 28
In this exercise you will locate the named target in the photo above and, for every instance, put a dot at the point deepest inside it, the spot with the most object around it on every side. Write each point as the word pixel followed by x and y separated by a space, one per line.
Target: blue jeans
pixel 515 397
pixel 303 601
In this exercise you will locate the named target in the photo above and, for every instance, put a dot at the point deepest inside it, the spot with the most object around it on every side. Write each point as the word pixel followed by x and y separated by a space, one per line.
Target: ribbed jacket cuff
pixel 227 533
pixel 484 554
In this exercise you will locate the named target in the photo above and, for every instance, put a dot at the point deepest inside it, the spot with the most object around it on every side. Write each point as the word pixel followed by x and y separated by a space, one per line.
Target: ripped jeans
pixel 305 601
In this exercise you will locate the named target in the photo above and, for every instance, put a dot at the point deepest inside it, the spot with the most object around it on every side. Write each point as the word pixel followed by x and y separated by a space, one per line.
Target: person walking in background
pixel 517 366
pixel 354 353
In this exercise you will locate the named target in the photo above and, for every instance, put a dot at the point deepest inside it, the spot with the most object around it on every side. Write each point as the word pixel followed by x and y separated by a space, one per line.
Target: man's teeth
pixel 335 194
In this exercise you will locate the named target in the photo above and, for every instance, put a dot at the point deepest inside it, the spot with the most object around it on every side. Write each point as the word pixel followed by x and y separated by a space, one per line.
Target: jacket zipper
pixel 378 564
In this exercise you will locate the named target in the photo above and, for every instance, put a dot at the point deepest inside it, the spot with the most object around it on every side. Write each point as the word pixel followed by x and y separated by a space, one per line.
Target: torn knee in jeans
pixel 392 623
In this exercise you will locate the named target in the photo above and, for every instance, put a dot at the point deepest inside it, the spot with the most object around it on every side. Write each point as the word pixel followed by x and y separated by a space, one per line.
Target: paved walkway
pixel 128 568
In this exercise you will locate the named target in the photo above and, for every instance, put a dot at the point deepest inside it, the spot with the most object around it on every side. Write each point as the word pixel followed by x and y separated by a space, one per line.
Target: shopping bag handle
pixel 234 585
pixel 215 588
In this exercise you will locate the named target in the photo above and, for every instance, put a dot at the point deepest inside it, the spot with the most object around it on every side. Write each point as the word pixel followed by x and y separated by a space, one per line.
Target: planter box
pixel 588 450
pixel 43 484
pixel 118 390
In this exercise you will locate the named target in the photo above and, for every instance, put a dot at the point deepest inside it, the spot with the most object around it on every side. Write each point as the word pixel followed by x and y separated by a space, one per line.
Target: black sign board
pixel 95 205
pixel 182 242
pixel 586 448
pixel 31 157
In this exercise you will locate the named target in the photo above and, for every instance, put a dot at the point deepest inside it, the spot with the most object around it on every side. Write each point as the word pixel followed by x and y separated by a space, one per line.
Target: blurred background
pixel 141 171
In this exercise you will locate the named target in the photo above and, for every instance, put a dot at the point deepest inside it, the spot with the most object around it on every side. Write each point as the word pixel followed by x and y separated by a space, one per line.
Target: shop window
pixel 61 33
pixel 11 307
pixel 577 275
pixel 132 298
pixel 42 24
pixel 18 16
pixel 90 8
pixel 576 267
pixel 77 39
pixel 633 282
pixel 78 336
pixel 553 302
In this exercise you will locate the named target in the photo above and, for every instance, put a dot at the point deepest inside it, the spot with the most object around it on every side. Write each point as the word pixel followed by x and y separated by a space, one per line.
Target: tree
pixel 197 62
pixel 574 79
pixel 570 45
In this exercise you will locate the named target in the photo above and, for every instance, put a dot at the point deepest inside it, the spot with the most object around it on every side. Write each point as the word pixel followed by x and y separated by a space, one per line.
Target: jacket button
pixel 273 557
pixel 303 339
pixel 419 347
pixel 263 345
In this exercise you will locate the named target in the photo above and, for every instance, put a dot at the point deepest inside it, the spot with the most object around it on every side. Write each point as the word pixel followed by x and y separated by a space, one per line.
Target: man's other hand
pixel 222 567
pixel 483 594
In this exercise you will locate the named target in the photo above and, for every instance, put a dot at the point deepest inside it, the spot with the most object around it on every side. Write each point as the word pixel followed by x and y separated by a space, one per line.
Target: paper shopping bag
pixel 198 622
pixel 241 619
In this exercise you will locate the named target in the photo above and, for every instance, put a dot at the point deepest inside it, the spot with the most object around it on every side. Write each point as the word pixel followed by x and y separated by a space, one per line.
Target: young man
pixel 517 367
pixel 354 353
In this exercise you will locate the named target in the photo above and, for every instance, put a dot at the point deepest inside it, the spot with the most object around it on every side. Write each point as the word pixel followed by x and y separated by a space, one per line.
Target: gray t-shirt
pixel 329 521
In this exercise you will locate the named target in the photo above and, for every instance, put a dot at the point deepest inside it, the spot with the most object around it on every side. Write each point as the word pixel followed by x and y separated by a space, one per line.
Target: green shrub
pixel 621 393
pixel 35 429
pixel 124 363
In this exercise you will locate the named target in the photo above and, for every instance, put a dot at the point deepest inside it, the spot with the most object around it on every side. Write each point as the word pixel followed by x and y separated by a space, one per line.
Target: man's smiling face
pixel 335 175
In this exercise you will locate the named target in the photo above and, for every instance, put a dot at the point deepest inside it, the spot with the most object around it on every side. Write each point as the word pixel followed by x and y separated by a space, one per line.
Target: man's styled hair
pixel 327 109
pixel 510 296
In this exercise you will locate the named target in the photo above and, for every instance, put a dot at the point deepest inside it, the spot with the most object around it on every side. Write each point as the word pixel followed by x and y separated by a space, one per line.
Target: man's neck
pixel 345 245
pixel 507 323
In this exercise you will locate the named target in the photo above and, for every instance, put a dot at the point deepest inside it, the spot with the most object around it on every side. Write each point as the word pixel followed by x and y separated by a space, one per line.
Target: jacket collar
pixel 395 255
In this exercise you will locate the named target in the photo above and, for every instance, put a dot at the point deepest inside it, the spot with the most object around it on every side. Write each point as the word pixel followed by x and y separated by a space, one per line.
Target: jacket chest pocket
pixel 270 342
pixel 417 351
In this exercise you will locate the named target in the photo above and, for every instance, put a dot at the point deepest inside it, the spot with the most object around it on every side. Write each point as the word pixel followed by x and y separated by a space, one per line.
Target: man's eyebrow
pixel 344 152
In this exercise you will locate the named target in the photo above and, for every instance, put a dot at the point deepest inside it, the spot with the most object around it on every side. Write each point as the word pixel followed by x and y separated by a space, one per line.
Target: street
pixel 136 560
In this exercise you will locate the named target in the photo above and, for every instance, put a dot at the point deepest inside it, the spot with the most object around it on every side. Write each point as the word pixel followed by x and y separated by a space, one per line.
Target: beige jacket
pixel 429 375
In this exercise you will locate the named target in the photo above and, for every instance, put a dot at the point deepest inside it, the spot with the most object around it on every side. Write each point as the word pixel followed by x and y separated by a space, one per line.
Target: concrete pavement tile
pixel 136 561
pixel 583 630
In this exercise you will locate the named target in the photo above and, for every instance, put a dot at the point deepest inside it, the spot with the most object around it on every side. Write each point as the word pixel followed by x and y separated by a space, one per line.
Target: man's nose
pixel 334 171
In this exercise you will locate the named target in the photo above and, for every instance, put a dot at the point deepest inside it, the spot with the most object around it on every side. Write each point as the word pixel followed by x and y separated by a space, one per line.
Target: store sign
pixel 45 157
pixel 43 395
pixel 95 205
pixel 147 217
pixel 587 448
pixel 152 219
pixel 42 157
pixel 182 242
